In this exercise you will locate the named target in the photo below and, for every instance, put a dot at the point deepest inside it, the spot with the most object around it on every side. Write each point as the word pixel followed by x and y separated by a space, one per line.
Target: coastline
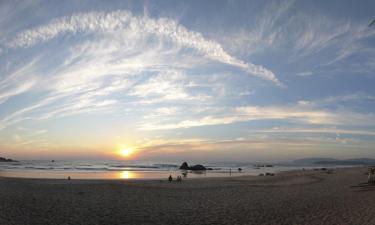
pixel 140 171
pixel 116 175
pixel 293 197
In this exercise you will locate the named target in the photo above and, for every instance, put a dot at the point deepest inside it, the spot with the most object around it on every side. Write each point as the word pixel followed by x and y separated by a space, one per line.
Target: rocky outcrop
pixel 185 166
pixel 198 167
pixel 6 160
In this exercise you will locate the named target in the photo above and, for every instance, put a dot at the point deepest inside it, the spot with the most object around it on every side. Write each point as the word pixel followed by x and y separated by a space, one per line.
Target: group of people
pixel 170 178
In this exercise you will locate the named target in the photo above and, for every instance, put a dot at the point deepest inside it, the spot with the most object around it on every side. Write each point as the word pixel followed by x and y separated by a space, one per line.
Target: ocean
pixel 112 169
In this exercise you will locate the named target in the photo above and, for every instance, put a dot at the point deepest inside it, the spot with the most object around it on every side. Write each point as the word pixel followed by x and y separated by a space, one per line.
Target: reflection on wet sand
pixel 111 175
pixel 127 175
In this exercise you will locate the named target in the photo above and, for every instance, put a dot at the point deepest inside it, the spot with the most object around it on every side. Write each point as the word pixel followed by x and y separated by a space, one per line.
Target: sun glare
pixel 126 175
pixel 126 152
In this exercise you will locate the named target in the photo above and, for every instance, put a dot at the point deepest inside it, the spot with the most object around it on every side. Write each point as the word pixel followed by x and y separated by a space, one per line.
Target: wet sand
pixel 297 197
pixel 115 175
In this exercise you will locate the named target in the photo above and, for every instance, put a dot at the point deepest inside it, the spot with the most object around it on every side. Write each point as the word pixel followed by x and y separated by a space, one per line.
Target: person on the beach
pixel 370 178
pixel 170 178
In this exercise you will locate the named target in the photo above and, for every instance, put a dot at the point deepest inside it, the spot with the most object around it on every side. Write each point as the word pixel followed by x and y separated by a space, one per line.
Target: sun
pixel 126 152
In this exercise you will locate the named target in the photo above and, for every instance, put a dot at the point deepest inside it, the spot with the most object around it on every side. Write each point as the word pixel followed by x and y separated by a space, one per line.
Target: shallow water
pixel 111 175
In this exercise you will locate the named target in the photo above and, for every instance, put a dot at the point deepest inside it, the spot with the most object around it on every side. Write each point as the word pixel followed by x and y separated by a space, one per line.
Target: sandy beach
pixel 296 197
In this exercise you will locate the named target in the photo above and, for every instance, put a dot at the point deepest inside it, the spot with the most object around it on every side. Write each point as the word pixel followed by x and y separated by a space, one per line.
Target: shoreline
pixel 238 176
pixel 151 175
pixel 116 175
pixel 147 174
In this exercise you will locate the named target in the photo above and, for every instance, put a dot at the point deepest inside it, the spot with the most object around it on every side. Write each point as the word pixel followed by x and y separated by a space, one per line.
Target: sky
pixel 187 80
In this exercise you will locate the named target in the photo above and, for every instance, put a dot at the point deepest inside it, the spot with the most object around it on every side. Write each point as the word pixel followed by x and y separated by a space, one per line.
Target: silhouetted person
pixel 170 178
pixel 371 173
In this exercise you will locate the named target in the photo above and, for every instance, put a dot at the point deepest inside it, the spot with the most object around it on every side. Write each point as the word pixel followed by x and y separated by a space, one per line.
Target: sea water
pixel 112 169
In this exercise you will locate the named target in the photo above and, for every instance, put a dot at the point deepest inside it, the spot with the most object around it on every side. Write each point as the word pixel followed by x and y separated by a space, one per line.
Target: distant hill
pixel 358 161
pixel 332 161
pixel 307 161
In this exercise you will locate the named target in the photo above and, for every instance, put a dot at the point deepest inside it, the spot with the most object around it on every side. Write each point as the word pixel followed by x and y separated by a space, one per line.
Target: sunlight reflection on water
pixel 127 175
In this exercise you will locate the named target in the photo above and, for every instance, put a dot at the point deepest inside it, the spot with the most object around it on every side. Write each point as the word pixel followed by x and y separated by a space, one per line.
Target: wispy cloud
pixel 124 21
pixel 339 101
pixel 297 113
pixel 302 37
pixel 318 130
pixel 118 57
pixel 264 34
pixel 11 86
pixel 255 148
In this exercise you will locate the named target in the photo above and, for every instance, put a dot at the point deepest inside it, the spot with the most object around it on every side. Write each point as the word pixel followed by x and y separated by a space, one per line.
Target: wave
pixel 39 168
pixel 134 166
pixel 166 165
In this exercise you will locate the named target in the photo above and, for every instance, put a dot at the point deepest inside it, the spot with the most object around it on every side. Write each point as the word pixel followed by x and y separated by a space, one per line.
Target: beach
pixel 294 197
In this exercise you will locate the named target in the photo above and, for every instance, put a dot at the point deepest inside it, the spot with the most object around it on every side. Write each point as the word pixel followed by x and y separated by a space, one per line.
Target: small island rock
pixel 184 166
pixel 198 167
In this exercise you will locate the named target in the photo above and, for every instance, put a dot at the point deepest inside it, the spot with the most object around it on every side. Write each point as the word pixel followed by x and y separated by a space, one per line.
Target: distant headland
pixel 332 161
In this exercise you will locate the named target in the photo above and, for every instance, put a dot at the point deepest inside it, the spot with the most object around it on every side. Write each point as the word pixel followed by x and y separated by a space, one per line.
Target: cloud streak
pixel 132 25
pixel 301 36
pixel 297 114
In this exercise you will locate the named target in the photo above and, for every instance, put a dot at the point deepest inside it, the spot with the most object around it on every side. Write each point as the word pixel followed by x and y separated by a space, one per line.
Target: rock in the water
pixel 6 160
pixel 198 167
pixel 184 166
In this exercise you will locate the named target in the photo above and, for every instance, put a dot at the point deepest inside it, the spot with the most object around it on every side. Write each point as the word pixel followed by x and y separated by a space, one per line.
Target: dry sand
pixel 310 197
